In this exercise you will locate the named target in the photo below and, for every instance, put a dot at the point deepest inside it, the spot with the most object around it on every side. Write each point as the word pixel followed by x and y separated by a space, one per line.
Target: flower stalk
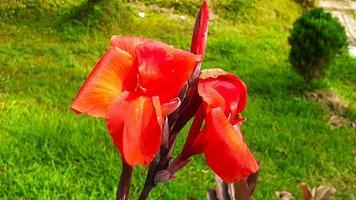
pixel 124 183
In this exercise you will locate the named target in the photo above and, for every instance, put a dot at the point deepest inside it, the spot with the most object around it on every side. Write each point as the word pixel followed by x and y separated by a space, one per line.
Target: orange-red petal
pixel 226 91
pixel 107 80
pixel 193 144
pixel 127 44
pixel 135 124
pixel 224 148
pixel 170 107
pixel 163 70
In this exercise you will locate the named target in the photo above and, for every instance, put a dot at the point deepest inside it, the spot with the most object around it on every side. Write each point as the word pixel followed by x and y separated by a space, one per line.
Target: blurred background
pixel 301 131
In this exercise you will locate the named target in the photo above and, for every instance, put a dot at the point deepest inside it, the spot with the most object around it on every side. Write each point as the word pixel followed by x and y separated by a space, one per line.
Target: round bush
pixel 315 40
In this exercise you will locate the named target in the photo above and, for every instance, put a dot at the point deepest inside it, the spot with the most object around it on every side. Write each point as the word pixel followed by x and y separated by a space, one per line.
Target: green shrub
pixel 315 40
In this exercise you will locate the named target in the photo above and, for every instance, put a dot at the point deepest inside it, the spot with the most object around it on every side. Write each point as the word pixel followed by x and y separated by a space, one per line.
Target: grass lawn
pixel 47 50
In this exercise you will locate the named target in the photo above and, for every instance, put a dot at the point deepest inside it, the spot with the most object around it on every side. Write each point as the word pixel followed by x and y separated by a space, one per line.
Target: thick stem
pixel 150 179
pixel 145 192
pixel 159 162
pixel 125 181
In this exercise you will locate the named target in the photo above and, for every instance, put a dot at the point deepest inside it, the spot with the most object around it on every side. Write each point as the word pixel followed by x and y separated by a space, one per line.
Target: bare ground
pixel 335 107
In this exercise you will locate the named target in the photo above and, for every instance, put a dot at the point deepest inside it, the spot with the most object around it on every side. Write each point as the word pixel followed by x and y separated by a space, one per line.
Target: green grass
pixel 47 152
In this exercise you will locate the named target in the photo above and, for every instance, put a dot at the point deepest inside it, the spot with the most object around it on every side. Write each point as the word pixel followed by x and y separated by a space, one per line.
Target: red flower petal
pixel 135 123
pixel 224 148
pixel 108 79
pixel 128 44
pixel 200 33
pixel 170 106
pixel 193 144
pixel 226 91
pixel 163 70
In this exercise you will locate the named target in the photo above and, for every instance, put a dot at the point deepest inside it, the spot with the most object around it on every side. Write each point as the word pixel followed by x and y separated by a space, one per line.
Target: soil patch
pixel 335 107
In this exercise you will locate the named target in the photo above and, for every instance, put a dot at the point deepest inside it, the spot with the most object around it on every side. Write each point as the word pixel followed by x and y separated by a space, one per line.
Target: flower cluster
pixel 147 91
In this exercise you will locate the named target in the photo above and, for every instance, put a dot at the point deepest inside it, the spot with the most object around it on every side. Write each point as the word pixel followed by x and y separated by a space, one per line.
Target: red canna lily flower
pixel 135 86
pixel 221 140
